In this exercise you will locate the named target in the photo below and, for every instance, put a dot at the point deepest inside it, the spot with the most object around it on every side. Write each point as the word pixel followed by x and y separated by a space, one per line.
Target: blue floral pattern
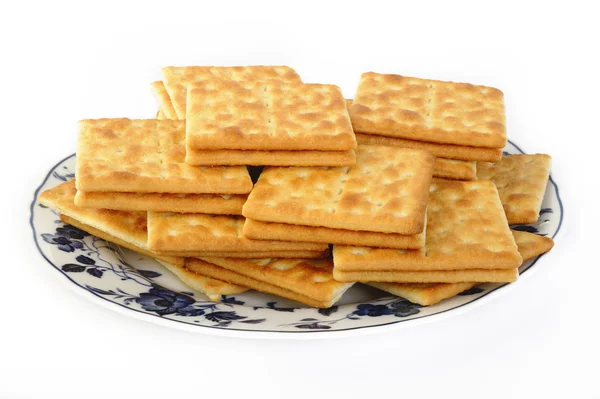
pixel 105 271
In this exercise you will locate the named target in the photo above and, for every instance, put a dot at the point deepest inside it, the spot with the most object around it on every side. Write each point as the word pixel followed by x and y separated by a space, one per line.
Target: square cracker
pixel 448 151
pixel 386 191
pixel 164 101
pixel 429 276
pixel 425 294
pixel 257 230
pixel 222 204
pixel 212 288
pixel 187 232
pixel 466 229
pixel 148 155
pixel 270 158
pixel 521 180
pixel 429 110
pixel 530 245
pixel 177 79
pixel 454 170
pixel 124 228
pixel 224 114
pixel 253 255
pixel 309 281
pixel 209 286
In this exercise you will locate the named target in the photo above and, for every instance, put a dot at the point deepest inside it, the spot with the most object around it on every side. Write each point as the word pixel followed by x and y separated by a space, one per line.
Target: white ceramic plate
pixel 140 287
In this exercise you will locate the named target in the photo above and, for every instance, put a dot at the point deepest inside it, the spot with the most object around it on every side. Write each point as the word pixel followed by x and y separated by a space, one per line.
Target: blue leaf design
pixel 221 316
pixel 309 319
pixel 252 321
pixel 313 326
pixel 72 268
pixel 99 291
pixel 231 300
pixel 85 260
pixel 94 272
pixel 328 311
pixel 271 305
pixel 525 227
pixel 149 273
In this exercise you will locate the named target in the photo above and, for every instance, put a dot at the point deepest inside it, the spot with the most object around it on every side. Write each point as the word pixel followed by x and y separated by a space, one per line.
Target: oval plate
pixel 140 287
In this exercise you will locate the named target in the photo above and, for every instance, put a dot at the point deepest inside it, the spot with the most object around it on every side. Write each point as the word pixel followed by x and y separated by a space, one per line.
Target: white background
pixel 62 62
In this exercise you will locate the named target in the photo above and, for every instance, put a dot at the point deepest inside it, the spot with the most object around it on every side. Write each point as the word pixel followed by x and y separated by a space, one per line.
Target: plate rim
pixel 246 333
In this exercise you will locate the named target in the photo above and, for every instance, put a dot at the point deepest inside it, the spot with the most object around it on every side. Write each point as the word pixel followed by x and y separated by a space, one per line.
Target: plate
pixel 140 287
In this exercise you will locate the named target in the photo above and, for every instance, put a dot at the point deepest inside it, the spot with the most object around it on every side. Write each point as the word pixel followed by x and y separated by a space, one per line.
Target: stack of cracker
pixel 257 116
pixel 460 123
pixel 177 188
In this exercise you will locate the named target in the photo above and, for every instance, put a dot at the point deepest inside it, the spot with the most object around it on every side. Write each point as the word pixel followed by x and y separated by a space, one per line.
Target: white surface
pixel 63 62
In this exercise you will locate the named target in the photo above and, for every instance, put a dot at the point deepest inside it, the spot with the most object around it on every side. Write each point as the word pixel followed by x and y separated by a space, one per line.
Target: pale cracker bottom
pixel 454 169
pixel 301 283
pixel 270 158
pixel 424 294
pixel 253 255
pixel 174 260
pixel 209 286
pixel 447 151
pixel 433 276
pixel 220 204
pixel 290 232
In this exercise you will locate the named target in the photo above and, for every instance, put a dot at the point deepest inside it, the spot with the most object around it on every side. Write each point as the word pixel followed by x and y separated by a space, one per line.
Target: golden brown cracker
pixel 306 278
pixel 429 110
pixel 257 230
pixel 270 158
pixel 178 79
pixel 222 204
pixel 187 232
pixel 466 229
pixel 386 191
pixel 521 180
pixel 209 286
pixel 126 155
pixel 446 151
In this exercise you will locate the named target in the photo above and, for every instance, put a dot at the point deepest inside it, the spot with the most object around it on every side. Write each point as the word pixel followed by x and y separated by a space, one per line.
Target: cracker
pixel 129 228
pixel 429 276
pixel 309 281
pixel 187 232
pixel 429 110
pixel 271 158
pixel 425 294
pixel 209 286
pixel 466 229
pixel 225 114
pixel 222 204
pixel 133 228
pixel 447 151
pixel 521 180
pixel 177 79
pixel 253 255
pixel 386 191
pixel 530 246
pixel 454 169
pixel 164 101
pixel 257 230
pixel 126 155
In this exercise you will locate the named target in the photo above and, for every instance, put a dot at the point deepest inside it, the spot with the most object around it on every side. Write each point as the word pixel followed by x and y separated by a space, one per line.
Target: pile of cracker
pixel 249 178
